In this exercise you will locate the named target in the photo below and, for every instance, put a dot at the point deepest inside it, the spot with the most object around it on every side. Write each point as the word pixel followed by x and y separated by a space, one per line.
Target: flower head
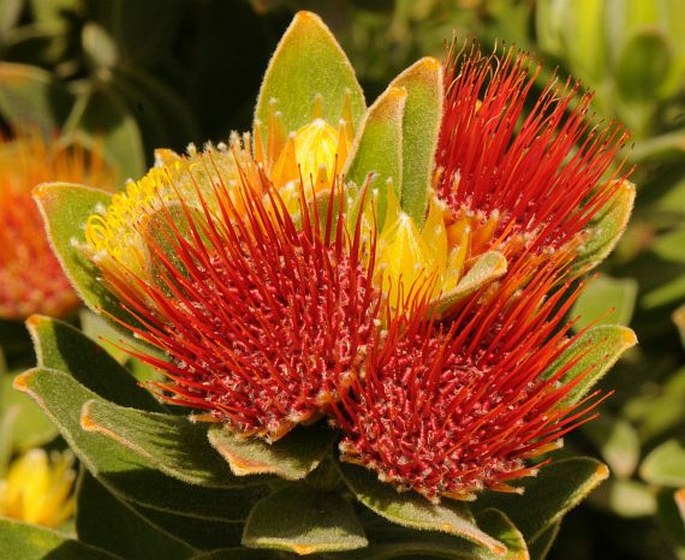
pixel 276 297
pixel 517 182
pixel 31 279
pixel 37 488
pixel 265 320
pixel 448 409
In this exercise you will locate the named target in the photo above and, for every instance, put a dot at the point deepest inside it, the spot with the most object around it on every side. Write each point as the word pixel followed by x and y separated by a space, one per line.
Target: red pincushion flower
pixel 520 180
pixel 265 321
pixel 450 409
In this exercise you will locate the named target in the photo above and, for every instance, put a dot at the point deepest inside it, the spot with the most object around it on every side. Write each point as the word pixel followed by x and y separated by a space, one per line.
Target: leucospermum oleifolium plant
pixel 362 311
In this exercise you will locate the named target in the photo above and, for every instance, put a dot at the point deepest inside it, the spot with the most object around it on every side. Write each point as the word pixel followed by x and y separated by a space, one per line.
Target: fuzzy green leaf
pixel 420 128
pixel 300 519
pixel 172 444
pixel 200 533
pixel 665 465
pixel 62 347
pixel 414 511
pixel 643 65
pixel 378 147
pixel 592 354
pixel 393 541
pixel 65 208
pixel 606 228
pixel 486 268
pixel 558 487
pixel 30 542
pixel 104 521
pixel 100 117
pixel 539 547
pixel 607 300
pixel 31 99
pixel 125 473
pixel 292 457
pixel 307 63
pixel 22 424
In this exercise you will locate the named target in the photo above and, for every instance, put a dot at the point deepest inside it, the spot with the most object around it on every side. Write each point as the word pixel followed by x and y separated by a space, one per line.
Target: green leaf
pixel 99 47
pixel 125 473
pixel 30 98
pixel 420 128
pixel 22 424
pixel 414 511
pixel 606 228
pixel 392 541
pixel 539 548
pixel 65 208
pixel 486 268
pixel 558 487
pixel 104 521
pixel 172 444
pixel 671 515
pixel 30 542
pixel 606 300
pixel 307 63
pixel 201 533
pixel 378 147
pixel 643 65
pixel 591 354
pixel 625 497
pixel 62 347
pixel 618 442
pixel 665 465
pixel 10 14
pixel 300 519
pixel 293 457
pixel 101 117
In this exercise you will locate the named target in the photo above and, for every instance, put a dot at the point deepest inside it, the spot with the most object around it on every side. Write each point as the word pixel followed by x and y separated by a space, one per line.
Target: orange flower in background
pixel 31 279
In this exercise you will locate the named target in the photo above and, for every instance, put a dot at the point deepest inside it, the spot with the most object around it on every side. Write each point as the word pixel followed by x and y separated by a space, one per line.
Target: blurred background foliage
pixel 134 75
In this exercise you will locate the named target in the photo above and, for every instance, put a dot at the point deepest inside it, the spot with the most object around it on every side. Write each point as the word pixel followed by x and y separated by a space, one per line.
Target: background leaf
pixel 31 98
pixel 30 542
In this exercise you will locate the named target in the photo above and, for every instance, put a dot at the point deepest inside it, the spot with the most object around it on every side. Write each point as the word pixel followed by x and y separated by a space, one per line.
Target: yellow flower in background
pixel 31 279
pixel 37 488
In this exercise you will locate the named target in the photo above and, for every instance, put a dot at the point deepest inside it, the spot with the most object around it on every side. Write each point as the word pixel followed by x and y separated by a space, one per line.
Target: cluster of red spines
pixel 450 409
pixel 267 321
pixel 544 171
